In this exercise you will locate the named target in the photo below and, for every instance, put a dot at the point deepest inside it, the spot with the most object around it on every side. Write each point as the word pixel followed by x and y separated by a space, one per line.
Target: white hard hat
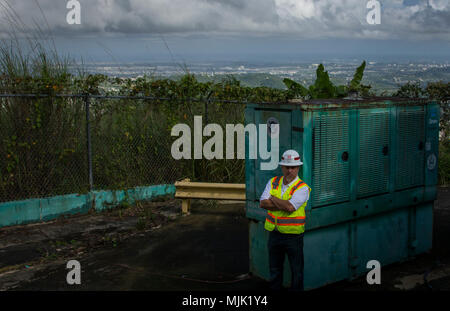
pixel 290 158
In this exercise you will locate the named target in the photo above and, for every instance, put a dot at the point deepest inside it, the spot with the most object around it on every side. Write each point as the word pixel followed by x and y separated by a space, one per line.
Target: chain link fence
pixel 55 145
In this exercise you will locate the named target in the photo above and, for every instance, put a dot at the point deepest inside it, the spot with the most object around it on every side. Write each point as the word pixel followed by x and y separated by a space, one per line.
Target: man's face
pixel 289 172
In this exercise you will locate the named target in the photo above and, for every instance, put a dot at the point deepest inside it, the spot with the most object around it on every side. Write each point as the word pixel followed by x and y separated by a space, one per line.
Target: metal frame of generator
pixel 372 167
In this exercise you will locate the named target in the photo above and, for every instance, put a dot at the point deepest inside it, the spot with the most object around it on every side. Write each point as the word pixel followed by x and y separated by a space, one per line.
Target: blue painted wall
pixel 45 209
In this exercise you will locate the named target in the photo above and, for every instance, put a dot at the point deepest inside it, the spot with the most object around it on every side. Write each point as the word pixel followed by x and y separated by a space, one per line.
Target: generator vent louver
pixel 411 145
pixel 374 152
pixel 330 169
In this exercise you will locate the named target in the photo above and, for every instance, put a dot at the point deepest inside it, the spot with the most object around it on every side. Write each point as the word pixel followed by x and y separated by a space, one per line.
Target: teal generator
pixel 372 166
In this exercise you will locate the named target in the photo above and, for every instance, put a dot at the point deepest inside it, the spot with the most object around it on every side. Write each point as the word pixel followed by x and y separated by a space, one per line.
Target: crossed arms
pixel 276 204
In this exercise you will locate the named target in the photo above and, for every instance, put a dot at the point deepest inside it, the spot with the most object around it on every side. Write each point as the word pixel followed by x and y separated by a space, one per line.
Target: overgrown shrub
pixel 439 91
pixel 444 163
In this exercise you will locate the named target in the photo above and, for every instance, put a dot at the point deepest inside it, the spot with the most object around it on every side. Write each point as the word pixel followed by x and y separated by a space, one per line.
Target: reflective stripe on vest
pixel 296 186
pixel 286 222
pixel 276 182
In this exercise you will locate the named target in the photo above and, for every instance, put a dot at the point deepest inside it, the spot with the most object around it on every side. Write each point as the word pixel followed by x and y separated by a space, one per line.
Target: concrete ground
pixel 151 247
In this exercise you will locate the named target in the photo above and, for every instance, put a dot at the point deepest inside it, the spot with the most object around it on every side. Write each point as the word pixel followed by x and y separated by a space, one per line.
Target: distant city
pixel 384 77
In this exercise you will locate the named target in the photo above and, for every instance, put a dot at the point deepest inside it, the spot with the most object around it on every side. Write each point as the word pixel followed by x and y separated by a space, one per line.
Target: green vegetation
pixel 440 92
pixel 444 162
pixel 251 80
pixel 324 88
pixel 43 140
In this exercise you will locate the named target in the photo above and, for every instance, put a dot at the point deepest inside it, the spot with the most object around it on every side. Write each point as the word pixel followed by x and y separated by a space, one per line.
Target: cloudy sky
pixel 138 30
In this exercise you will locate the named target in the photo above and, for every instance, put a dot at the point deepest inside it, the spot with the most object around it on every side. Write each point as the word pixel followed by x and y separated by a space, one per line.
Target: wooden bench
pixel 187 190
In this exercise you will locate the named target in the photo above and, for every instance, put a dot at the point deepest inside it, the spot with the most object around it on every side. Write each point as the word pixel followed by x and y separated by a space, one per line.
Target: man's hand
pixel 282 205
pixel 275 204
pixel 268 205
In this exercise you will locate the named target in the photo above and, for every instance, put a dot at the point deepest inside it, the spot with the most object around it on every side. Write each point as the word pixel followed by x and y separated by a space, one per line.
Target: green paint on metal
pixel 339 252
pixel 372 166
pixel 331 154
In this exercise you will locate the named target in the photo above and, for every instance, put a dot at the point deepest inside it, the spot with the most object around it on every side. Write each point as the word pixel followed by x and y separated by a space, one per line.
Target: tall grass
pixel 43 140
pixel 38 137
pixel 28 54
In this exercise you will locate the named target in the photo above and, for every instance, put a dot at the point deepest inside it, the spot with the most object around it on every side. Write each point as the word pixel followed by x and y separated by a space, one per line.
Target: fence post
pixel 88 139
pixel 207 102
pixel 206 111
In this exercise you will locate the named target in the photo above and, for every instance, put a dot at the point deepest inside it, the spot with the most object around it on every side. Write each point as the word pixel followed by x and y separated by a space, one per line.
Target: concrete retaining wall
pixel 45 209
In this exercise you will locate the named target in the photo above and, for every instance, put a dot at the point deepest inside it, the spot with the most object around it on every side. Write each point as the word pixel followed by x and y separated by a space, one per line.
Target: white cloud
pixel 300 9
pixel 439 4
pixel 302 18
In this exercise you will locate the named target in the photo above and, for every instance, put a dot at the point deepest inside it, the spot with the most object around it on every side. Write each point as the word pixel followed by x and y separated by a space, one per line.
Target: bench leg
pixel 186 206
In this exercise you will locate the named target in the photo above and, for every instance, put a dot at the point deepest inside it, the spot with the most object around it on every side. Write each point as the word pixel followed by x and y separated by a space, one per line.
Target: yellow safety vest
pixel 286 222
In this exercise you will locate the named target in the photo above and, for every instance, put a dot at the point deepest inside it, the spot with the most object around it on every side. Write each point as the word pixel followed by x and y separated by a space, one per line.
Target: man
pixel 285 199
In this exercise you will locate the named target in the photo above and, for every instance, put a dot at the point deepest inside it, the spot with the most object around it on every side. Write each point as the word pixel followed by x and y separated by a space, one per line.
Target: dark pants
pixel 279 245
